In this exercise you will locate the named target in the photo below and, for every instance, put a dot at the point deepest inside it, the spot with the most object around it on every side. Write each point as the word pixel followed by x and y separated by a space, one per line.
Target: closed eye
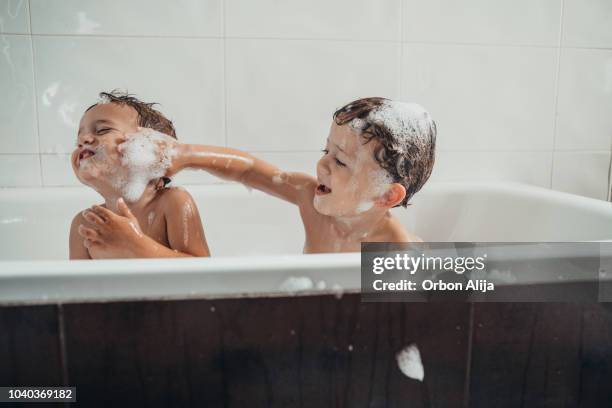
pixel 339 163
pixel 103 131
pixel 325 151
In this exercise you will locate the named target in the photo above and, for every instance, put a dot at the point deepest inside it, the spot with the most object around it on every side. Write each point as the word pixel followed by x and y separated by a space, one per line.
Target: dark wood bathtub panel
pixel 325 352
pixel 261 351
pixel 30 346
pixel 525 354
pixel 282 352
pixel 596 355
pixel 441 331
pixel 552 375
pixel 144 353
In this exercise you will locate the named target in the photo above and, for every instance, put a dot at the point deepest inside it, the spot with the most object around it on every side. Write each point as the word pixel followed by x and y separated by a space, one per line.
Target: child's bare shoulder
pixel 78 219
pixel 174 198
pixel 75 244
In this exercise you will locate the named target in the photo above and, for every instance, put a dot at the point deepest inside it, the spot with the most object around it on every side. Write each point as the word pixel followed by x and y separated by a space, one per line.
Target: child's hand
pixel 147 146
pixel 110 235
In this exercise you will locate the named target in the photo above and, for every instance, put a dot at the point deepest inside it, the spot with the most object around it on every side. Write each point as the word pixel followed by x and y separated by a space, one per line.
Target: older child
pixel 140 218
pixel 378 154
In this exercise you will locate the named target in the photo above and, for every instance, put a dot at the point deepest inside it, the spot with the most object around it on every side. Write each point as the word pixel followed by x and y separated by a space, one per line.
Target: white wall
pixel 521 90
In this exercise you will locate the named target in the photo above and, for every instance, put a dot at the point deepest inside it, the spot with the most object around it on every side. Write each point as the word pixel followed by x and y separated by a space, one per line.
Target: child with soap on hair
pixel 378 154
pixel 140 217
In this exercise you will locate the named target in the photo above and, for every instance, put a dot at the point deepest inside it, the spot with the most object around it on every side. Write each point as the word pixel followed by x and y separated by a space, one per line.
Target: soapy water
pixel 227 156
pixel 285 178
pixel 409 362
pixel 187 215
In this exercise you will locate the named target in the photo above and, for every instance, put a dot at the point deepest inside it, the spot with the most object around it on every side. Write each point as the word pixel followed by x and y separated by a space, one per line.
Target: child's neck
pixel 360 227
pixel 135 206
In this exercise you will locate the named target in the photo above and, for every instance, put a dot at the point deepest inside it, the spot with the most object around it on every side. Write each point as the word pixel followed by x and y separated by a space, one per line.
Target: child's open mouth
pixel 86 153
pixel 322 189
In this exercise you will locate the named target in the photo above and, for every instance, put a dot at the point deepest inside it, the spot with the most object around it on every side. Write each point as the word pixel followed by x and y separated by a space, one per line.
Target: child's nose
pixel 323 166
pixel 85 138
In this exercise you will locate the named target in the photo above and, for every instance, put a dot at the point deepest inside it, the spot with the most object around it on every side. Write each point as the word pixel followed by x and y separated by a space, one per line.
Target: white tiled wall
pixel 520 90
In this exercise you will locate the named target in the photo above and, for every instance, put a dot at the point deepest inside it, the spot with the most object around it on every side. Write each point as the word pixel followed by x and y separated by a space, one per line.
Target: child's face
pixel 96 161
pixel 350 179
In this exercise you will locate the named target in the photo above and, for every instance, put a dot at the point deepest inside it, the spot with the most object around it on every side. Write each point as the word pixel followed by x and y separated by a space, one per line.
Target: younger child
pixel 140 217
pixel 378 154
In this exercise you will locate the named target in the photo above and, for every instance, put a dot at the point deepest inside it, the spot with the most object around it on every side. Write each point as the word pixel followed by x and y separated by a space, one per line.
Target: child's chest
pixel 324 238
pixel 153 224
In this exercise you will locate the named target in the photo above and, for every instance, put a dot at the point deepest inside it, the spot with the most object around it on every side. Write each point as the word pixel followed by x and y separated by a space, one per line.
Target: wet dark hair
pixel 148 117
pixel 409 164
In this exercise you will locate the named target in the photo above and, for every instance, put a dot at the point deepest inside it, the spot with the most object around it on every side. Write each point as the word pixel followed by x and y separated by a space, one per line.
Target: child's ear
pixel 394 195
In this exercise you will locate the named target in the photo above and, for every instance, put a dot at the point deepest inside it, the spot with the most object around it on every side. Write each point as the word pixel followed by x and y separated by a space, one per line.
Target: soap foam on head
pixel 144 161
pixel 103 99
pixel 407 122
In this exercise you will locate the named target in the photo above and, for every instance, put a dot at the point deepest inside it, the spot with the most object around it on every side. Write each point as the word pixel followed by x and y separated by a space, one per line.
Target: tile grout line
pixel 35 90
pixel 225 104
pixel 211 37
pixel 556 101
pixel 401 53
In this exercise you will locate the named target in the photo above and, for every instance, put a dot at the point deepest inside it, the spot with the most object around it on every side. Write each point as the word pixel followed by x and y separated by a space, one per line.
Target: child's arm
pixel 245 168
pixel 76 247
pixel 110 235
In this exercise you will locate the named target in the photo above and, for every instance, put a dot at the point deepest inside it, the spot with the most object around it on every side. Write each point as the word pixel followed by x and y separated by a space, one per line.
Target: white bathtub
pixel 256 240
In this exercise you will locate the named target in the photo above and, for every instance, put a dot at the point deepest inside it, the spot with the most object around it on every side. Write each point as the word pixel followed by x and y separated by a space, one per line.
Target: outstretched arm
pixel 226 163
pixel 245 168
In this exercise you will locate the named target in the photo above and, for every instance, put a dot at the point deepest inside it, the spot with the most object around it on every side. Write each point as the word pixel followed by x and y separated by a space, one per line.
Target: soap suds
pixel 358 124
pixel 365 206
pixel 296 284
pixel 278 178
pixel 144 160
pixel 409 362
pixel 338 291
pixel 407 122
pixel 103 99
